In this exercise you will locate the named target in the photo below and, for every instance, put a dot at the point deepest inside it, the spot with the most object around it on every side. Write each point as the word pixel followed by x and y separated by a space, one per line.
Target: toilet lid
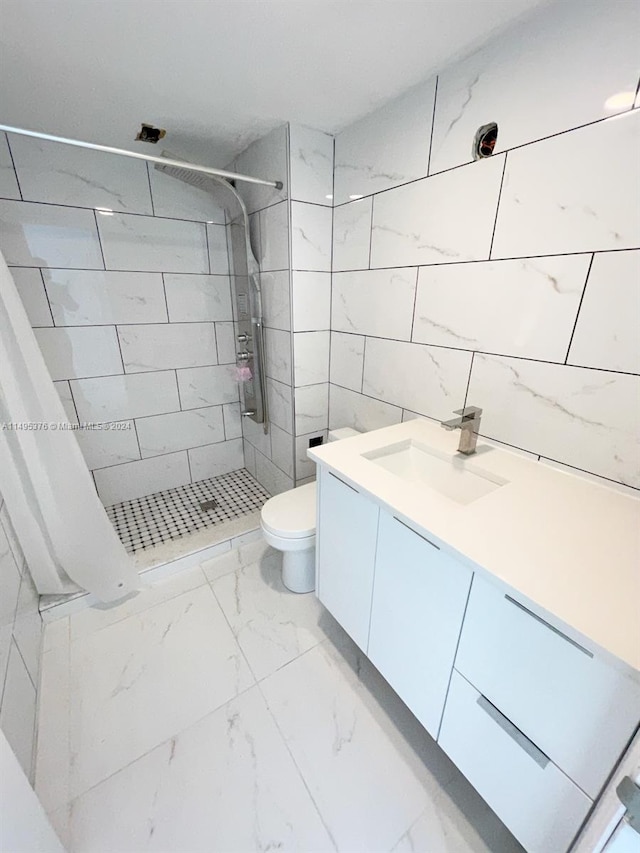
pixel 291 514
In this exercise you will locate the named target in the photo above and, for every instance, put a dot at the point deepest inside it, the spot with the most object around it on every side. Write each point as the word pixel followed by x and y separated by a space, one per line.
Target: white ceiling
pixel 219 73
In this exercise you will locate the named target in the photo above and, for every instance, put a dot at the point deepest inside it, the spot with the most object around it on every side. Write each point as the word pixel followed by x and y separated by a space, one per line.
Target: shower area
pixel 142 288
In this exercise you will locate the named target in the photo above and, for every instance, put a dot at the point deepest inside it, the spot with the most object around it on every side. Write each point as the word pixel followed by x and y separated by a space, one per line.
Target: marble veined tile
pixel 311 164
pixel 275 299
pixel 63 388
pixel 75 353
pixel 310 358
pixel 553 199
pixel 445 218
pixel 218 249
pixel 197 298
pixel 46 235
pixel 347 360
pixel 177 200
pixel 312 408
pixel 18 712
pixel 207 386
pixel 282 450
pixel 311 293
pixel 607 333
pixel 137 683
pixel 62 174
pixel 8 184
pixel 558 49
pixel 135 479
pixel 310 236
pixel 168 345
pixel 104 447
pixel 278 355
pixel 90 298
pixel 585 418
pixel 374 302
pixel 352 235
pixel 279 397
pixel 386 148
pixel 179 430
pixel 425 379
pixel 212 460
pixel 521 307
pixel 344 752
pixel 227 783
pixel 272 625
pixel 117 398
pixel 271 477
pixel 30 286
pixel 350 409
pixel 151 244
pixel 274 237
pixel 265 158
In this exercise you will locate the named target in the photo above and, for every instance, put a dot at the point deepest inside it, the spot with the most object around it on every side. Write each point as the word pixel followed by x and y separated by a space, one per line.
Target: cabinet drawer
pixel 578 710
pixel 532 797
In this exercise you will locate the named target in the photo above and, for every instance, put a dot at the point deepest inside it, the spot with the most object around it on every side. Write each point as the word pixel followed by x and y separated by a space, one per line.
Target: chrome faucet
pixel 469 425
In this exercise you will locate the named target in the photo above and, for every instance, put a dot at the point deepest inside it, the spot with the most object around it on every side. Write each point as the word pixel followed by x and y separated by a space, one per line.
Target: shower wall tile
pixel 271 477
pixel 144 243
pixel 607 334
pixel 161 434
pixel 196 298
pixel 429 380
pixel 352 235
pixel 218 249
pixel 249 457
pixel 136 479
pixel 169 345
pixel 265 158
pixel 117 398
pixel 510 80
pixel 442 219
pixel 8 182
pixel 274 238
pixel 45 235
pixel 177 200
pixel 311 358
pixel 104 447
pixel 374 302
pixel 254 433
pixel 60 174
pixel 216 459
pixel 311 293
pixel 310 237
pixel 350 409
pixel 306 467
pixel 311 408
pixel 559 412
pixel 232 420
pixel 207 386
pixel 280 400
pixel 276 299
pixel 75 353
pixel 523 307
pixel 311 164
pixel 30 286
pixel 558 196
pixel 347 360
pixel 63 388
pixel 96 298
pixel 18 710
pixel 282 450
pixel 278 355
pixel 387 147
pixel 226 341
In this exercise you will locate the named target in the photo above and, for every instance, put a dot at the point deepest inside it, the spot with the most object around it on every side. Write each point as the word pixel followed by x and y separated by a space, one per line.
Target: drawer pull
pixel 550 627
pixel 343 483
pixel 513 731
pixel 433 544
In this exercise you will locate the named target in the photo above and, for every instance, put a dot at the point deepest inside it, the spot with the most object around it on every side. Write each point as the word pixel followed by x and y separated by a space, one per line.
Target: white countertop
pixel 568 546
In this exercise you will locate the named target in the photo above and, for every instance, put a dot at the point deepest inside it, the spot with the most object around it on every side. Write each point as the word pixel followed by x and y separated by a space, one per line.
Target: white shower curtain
pixel 44 480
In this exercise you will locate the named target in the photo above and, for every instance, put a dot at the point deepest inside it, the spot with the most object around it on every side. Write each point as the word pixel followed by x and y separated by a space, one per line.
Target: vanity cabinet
pixel 347 527
pixel 419 598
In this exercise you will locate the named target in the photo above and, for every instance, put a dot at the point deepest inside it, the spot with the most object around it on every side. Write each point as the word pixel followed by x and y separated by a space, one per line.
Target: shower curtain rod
pixel 166 161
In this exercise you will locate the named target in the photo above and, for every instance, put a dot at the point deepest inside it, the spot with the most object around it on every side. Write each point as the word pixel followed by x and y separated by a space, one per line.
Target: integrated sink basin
pixel 457 478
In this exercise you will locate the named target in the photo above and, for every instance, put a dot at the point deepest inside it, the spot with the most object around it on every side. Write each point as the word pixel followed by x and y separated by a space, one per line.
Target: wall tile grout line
pixel 433 122
pixel 153 209
pixel 582 295
pixel 371 234
pixel 415 302
pixel 495 221
pixel 13 164
pixel 95 218
pixel 466 391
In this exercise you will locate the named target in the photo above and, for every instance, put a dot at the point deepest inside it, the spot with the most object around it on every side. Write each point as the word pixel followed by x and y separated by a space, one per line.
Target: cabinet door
pixel 419 598
pixel 346 545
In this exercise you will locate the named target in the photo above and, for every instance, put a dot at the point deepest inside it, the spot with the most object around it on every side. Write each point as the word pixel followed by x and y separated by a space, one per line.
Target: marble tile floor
pixel 217 711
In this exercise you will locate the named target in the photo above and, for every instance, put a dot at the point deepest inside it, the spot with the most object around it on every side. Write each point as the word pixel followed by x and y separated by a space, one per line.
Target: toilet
pixel 288 523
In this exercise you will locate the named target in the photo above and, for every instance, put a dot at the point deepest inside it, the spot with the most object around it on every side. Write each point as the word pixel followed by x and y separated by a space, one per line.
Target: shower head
pixel 196 179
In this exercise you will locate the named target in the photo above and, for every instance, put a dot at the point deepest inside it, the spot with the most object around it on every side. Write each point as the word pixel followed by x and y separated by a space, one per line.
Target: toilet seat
pixel 292 514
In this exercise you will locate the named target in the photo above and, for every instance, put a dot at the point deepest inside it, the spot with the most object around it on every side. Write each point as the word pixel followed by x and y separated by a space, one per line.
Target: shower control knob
pixel 243 355
pixel 243 338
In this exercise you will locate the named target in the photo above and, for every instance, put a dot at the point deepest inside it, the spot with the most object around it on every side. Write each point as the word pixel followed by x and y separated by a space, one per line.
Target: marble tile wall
pixel 124 275
pixel 20 648
pixel 511 283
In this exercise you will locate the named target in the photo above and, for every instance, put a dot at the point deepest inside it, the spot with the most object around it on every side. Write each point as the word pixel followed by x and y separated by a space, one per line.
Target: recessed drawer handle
pixel 514 733
pixel 343 483
pixel 550 627
pixel 433 544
